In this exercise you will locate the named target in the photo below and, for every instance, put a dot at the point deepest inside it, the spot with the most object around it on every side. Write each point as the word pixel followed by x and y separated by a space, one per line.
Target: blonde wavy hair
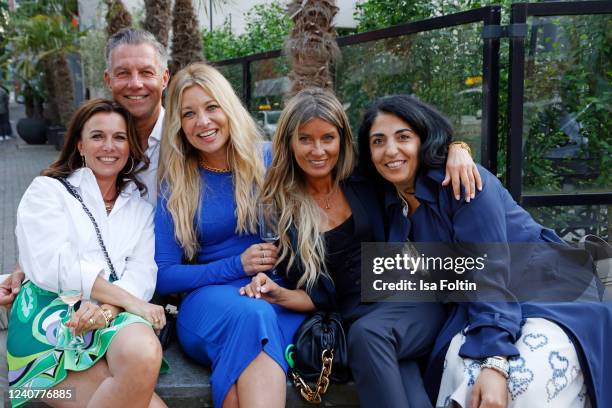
pixel 178 177
pixel 285 182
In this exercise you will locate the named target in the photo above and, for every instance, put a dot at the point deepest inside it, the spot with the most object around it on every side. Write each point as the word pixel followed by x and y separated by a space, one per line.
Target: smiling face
pixel 394 148
pixel 205 125
pixel 104 144
pixel 136 79
pixel 316 148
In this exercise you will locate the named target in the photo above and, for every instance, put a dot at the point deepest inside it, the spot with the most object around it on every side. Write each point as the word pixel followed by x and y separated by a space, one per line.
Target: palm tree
pixel 186 39
pixel 117 17
pixel 311 47
pixel 157 19
pixel 63 88
pixel 41 44
pixel 63 40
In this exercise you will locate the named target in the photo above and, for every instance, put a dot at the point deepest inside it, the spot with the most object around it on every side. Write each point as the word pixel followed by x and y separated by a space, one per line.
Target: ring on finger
pixel 91 321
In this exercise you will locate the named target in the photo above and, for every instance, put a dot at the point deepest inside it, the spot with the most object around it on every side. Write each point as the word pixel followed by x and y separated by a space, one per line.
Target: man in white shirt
pixel 136 74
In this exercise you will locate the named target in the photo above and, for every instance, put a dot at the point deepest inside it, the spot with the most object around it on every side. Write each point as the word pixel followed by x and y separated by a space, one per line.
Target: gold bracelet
pixel 461 144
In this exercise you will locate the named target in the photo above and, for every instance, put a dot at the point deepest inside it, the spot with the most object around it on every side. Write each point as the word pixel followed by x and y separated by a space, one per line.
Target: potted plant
pixel 39 46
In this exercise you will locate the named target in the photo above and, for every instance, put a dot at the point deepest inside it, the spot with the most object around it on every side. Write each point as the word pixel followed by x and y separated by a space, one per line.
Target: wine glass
pixel 70 291
pixel 267 217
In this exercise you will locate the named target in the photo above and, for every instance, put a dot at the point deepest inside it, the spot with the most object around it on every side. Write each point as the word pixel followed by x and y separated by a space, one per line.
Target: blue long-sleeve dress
pixel 216 326
pixel 491 328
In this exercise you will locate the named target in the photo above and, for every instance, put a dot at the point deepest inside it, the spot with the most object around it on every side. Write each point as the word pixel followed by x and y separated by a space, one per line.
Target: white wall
pixel 92 12
pixel 237 9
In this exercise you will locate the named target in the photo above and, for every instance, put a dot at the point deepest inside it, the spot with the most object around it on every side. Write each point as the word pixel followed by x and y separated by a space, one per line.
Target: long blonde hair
pixel 285 182
pixel 178 176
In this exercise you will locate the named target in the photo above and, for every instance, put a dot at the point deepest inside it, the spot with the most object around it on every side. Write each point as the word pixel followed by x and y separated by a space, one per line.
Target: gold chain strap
pixel 314 397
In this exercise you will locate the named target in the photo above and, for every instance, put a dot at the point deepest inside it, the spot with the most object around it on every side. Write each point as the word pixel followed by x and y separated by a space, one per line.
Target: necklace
pixel 214 169
pixel 326 202
pixel 109 204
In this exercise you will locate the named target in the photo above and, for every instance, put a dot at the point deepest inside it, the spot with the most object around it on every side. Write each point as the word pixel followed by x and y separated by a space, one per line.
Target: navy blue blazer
pixel 492 328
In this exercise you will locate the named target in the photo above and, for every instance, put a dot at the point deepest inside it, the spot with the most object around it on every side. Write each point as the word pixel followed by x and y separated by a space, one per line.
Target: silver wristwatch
pixel 497 363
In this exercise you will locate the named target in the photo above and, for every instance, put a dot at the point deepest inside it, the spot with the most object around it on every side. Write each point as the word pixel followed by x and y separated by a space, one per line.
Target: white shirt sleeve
pixel 43 227
pixel 140 274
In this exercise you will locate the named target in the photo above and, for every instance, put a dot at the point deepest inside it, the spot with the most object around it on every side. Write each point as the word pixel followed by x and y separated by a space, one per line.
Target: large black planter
pixel 32 130
pixel 55 136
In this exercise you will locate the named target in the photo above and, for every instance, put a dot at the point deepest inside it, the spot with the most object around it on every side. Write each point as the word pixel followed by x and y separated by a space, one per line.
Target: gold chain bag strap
pixel 319 355
pixel 302 386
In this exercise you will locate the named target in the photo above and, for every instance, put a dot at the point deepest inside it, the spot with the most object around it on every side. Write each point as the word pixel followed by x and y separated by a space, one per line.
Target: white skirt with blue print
pixel 546 374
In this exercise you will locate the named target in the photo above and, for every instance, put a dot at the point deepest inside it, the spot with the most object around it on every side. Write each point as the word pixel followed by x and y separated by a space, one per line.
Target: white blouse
pixel 49 216
pixel 149 176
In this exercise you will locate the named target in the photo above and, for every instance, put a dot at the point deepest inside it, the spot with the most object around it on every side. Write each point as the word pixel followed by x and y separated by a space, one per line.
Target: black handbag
pixel 167 334
pixel 318 354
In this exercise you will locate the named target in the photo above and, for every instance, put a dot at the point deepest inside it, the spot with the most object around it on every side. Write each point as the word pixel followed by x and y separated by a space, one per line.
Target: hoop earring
pixel 132 166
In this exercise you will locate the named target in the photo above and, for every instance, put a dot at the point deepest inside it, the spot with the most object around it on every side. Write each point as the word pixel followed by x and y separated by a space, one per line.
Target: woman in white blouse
pixel 120 359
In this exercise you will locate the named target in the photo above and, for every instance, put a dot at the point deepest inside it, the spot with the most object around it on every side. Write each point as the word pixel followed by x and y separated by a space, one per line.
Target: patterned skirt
pixel 547 371
pixel 33 361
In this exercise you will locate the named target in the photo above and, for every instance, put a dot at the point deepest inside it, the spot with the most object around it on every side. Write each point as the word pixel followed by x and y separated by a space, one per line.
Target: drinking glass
pixel 267 217
pixel 70 291
pixel 268 222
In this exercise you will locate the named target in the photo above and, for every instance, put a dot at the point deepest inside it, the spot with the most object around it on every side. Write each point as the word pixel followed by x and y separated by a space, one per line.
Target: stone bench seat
pixel 187 385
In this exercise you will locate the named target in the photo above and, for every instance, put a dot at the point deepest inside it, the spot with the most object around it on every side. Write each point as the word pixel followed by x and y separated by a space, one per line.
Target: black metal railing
pixel 520 33
pixel 489 15
pixel 514 163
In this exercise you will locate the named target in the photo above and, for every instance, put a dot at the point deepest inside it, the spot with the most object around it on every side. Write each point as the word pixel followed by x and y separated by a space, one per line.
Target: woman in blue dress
pixel 211 171
pixel 511 353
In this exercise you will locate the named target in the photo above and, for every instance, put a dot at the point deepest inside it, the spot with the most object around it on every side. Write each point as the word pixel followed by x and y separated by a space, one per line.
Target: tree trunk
pixel 64 88
pixel 51 112
pixel 33 107
pixel 312 47
pixel 117 17
pixel 157 19
pixel 60 90
pixel 186 39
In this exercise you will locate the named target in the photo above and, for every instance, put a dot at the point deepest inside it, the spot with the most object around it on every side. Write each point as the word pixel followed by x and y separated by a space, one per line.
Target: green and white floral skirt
pixel 34 363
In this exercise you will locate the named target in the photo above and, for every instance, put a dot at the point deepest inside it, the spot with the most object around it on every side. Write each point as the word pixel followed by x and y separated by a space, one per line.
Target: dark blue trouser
pixel 384 342
pixel 5 125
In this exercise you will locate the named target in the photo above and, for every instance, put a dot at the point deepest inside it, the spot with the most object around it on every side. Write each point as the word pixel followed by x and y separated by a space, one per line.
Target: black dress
pixel 385 338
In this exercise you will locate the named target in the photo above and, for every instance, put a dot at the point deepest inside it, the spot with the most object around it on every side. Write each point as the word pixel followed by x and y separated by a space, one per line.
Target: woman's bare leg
pixel 86 386
pixel 133 358
pixel 231 399
pixel 157 402
pixel 262 384
pixel 82 385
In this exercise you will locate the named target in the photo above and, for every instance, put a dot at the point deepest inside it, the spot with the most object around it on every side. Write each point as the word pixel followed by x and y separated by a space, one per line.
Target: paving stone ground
pixel 19 164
